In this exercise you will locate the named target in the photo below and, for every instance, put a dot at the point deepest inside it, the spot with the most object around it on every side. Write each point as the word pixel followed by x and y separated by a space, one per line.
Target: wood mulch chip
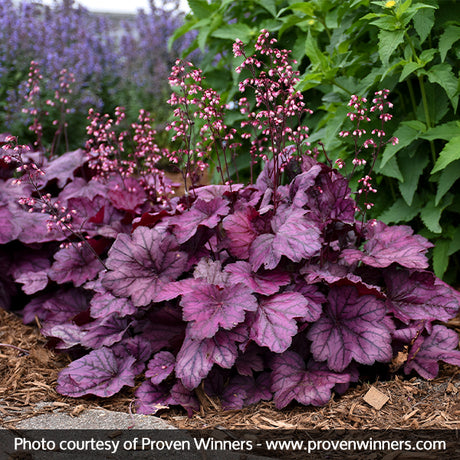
pixel 28 380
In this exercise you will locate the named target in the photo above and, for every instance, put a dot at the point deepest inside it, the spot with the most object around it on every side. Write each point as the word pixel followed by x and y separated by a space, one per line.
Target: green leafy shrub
pixel 411 47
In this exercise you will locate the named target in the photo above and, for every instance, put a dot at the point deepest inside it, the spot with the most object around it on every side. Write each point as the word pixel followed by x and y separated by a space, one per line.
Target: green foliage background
pixel 411 47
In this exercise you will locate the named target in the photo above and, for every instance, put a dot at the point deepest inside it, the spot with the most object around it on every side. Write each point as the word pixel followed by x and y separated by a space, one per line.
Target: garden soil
pixel 28 381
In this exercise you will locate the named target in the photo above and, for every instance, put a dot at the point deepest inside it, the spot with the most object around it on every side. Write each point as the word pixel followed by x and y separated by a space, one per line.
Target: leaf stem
pixel 427 115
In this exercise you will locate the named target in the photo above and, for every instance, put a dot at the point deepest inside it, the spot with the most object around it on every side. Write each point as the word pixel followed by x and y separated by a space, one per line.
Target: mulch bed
pixel 30 378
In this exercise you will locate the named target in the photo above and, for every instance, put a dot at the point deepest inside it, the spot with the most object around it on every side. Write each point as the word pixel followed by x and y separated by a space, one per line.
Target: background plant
pixel 113 61
pixel 356 47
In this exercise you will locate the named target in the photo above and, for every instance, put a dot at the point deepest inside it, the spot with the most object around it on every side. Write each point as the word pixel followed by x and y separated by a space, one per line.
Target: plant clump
pixel 279 289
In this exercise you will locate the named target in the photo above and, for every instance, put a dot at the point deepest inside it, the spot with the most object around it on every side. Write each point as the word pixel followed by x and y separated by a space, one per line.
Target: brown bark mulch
pixel 29 377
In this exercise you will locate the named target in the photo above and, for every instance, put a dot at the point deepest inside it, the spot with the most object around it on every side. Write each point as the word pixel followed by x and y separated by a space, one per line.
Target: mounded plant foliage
pixel 272 290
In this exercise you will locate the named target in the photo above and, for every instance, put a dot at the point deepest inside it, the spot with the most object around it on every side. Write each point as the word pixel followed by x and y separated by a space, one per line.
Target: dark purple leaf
pixel 34 228
pixel 63 167
pixel 243 391
pixel 241 231
pixel 340 275
pixel 298 188
pixel 291 381
pixel 314 297
pixel 386 245
pixel 209 192
pixel 209 307
pixel 137 347
pixel 160 366
pixel 351 327
pixel 250 361
pixel 75 264
pixel 56 308
pixel 196 357
pixel 127 195
pixel 99 373
pixel 183 397
pixel 9 227
pixel 151 398
pixel 205 213
pixel 329 199
pixel 162 328
pixel 426 352
pixel 142 265
pixel 296 237
pixel 79 188
pixel 420 296
pixel 69 334
pixel 31 269
pixel 105 304
pixel 273 324
pixel 266 283
pixel 104 331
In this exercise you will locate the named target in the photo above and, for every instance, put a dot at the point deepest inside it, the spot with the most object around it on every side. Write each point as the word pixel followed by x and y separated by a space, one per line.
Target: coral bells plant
pixel 277 290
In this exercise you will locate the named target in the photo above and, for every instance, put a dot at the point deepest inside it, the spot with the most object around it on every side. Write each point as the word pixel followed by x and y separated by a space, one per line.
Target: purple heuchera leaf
pixel 315 299
pixel 266 283
pixel 183 397
pixel 386 245
pixel 151 398
pixel 351 327
pixel 127 195
pixel 209 307
pixel 99 373
pixel 143 265
pixel 137 347
pixel 160 366
pixel 299 186
pixel 273 324
pixel 250 361
pixel 329 199
pixel 104 331
pixel 69 334
pixel 205 213
pixel 420 296
pixel 296 237
pixel 9 227
pixel 63 167
pixel 243 391
pixel 291 381
pixel 56 308
pixel 241 231
pixel 31 269
pixel 209 192
pixel 196 357
pixel 210 271
pixel 104 304
pixel 75 265
pixel 426 352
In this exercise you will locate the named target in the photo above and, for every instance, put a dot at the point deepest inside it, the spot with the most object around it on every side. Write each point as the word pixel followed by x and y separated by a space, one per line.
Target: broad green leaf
pixel 409 68
pixel 288 22
pixel 442 75
pixel 399 211
pixel 388 42
pixel 310 80
pixel 391 169
pixel 180 31
pixel 445 131
pixel 449 153
pixel 269 5
pixel 386 22
pixel 455 242
pixel 200 8
pixel 406 135
pixel 234 31
pixel 313 52
pixel 427 55
pixel 447 39
pixel 411 169
pixel 423 23
pixel 307 8
pixel 441 257
pixel 447 178
pixel 431 214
